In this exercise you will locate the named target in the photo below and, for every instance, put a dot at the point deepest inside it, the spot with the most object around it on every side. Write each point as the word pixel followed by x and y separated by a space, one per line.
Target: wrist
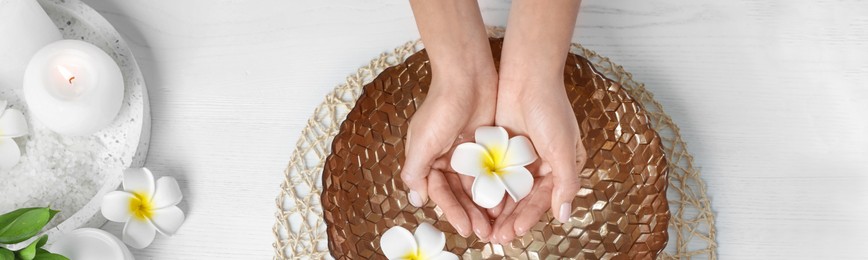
pixel 531 64
pixel 530 84
pixel 466 65
pixel 529 69
pixel 476 75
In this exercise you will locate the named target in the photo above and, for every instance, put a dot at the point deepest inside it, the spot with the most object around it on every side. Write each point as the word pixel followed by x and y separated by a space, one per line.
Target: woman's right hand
pixel 457 103
pixel 461 98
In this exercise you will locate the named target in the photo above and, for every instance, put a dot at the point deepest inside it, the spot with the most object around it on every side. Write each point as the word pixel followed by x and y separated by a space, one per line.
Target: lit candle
pixel 24 28
pixel 73 87
pixel 91 244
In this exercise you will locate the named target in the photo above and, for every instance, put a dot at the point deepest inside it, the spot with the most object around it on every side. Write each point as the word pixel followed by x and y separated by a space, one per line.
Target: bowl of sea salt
pixel 70 173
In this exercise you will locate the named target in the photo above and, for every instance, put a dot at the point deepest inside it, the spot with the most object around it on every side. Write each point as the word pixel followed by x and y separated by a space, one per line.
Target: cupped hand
pixel 538 108
pixel 457 103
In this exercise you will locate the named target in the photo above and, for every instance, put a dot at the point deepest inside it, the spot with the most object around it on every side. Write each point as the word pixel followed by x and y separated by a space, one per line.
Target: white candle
pixel 73 87
pixel 24 28
pixel 90 244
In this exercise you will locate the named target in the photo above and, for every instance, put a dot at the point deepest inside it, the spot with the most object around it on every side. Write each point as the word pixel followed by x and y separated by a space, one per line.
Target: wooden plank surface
pixel 770 95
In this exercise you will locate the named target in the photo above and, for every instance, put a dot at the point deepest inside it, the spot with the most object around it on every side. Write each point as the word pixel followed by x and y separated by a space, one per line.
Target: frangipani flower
pixel 426 243
pixel 12 125
pixel 146 207
pixel 498 163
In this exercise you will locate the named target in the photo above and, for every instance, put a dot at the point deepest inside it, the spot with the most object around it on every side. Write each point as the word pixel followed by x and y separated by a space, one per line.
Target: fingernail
pixel 521 232
pixel 415 199
pixel 503 240
pixel 462 231
pixel 565 212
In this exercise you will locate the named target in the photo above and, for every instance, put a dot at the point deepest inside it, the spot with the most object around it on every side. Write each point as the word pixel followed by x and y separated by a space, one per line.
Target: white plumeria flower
pixel 12 125
pixel 145 207
pixel 426 243
pixel 498 165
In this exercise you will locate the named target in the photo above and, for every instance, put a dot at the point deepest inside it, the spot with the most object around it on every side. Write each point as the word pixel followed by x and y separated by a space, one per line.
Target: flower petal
pixel 9 153
pixel 520 152
pixel 167 193
pixel 12 124
pixel 469 158
pixel 397 242
pixel 168 220
pixel 138 233
pixel 445 255
pixel 139 180
pixel 495 139
pixel 518 181
pixel 3 104
pixel 487 191
pixel 116 206
pixel 429 239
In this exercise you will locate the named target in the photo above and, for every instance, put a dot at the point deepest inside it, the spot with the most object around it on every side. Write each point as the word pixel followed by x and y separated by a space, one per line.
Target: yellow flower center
pixel 493 160
pixel 141 207
pixel 413 256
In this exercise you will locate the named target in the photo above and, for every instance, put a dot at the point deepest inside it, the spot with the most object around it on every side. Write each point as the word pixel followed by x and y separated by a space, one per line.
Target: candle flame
pixel 66 73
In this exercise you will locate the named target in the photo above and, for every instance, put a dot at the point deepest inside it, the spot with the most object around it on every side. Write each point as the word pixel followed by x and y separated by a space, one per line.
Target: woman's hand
pixel 460 99
pixel 532 101
pixel 457 103
pixel 538 107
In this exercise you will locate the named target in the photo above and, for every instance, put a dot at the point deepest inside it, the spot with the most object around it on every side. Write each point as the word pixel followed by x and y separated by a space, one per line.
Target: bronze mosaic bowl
pixel 621 211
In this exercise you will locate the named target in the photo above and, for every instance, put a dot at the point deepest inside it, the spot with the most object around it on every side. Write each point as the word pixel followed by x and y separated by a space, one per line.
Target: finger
pixel 505 224
pixel 544 169
pixel 478 220
pixel 467 184
pixel 417 165
pixel 581 156
pixel 442 194
pixel 566 183
pixel 441 164
pixel 535 167
pixel 509 207
pixel 496 210
pixel 534 206
pixel 531 207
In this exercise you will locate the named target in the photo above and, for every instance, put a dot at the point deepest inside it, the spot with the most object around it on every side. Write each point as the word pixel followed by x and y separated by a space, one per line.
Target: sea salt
pixel 61 172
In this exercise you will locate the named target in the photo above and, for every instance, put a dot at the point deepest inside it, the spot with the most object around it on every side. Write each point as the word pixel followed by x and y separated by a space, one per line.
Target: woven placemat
pixel 300 230
pixel 620 211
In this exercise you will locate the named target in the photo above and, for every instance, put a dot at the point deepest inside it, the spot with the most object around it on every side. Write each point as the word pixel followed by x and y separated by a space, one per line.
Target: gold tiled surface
pixel 621 211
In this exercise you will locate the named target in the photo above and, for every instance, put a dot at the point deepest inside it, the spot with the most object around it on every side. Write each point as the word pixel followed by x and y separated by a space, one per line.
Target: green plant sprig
pixel 19 226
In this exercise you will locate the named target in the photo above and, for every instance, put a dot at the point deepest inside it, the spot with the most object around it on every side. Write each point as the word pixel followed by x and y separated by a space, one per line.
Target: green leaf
pixel 52 213
pixel 24 225
pixel 7 218
pixel 5 254
pixel 42 254
pixel 29 252
pixel 41 241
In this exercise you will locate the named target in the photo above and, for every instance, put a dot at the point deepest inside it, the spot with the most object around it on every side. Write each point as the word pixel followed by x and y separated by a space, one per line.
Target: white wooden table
pixel 770 95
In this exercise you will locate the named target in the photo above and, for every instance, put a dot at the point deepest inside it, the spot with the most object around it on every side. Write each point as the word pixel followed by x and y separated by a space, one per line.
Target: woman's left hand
pixel 538 108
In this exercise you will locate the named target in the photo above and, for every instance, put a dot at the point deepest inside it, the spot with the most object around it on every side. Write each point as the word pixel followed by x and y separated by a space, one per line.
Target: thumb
pixel 414 171
pixel 566 185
